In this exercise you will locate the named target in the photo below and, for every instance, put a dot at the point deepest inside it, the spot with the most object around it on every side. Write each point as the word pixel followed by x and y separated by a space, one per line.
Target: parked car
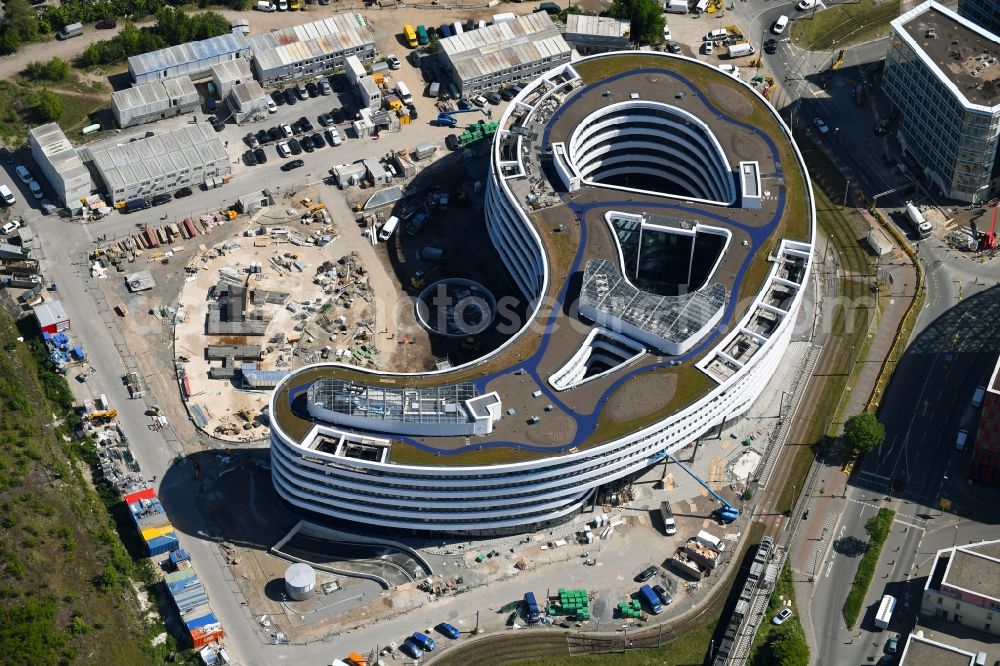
pixel 821 125
pixel 159 199
pixel 333 137
pixel 506 94
pixel 664 596
pixel 302 92
pixel 217 124
pixel 283 149
pixel 287 131
pixel 251 140
pixel 673 47
pixel 307 144
pixel 782 615
pixel 106 24
pixel 780 25
pixel 324 87
pixel 448 630
pixel 312 89
pixel 262 137
pixel 250 158
pixel 23 174
pixel 962 440
pixel 318 141
pixel 183 192
pixel 393 62
pixel 451 142
pixel 291 97
pixel 36 189
pixel 294 164
pixel 278 96
pixel 271 106
pixel 325 119
pixel 645 574
pixel 11 226
pixel 493 98
pixel 338 116
pixel 275 134
pixel 295 146
pixel 771 46
pixel 261 155
pixel 305 124
pixel 892 645
pixel 805 4
pixel 410 649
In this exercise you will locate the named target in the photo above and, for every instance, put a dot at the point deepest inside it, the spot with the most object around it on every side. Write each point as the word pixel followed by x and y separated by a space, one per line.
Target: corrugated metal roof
pixel 310 40
pixel 503 46
pixel 159 93
pixel 595 26
pixel 247 92
pixel 232 70
pixel 172 56
pixel 189 147
pixel 58 151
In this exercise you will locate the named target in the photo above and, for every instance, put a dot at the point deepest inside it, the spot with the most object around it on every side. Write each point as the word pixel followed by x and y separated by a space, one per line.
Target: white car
pixel 821 125
pixel 283 149
pixel 731 70
pixel 271 106
pixel 24 174
pixel 35 188
pixel 805 4
pixel 780 25
pixel 666 33
pixel 287 131
pixel 11 226
pixel 782 615
pixel 393 62
pixel 708 48
pixel 479 101
pixel 334 136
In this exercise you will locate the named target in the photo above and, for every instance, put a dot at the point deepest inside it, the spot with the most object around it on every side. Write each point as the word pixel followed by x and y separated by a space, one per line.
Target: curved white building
pixel 675 198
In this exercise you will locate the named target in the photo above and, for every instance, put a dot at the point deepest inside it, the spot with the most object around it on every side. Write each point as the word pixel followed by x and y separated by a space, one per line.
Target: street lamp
pixel 625 645
pixel 955 541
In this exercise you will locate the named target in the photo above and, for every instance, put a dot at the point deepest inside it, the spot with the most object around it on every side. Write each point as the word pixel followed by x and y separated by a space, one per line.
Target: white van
pixel 404 92
pixel 700 8
pixel 718 33
pixel 676 7
pixel 712 541
pixel 456 27
pixel 388 228
pixel 71 30
pixel 780 25
pixel 265 6
pixel 740 50
pixel 977 397
pixel 7 195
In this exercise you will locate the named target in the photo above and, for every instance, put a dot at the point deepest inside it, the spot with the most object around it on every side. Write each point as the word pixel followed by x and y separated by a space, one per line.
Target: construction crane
pixel 727 513
pixel 989 240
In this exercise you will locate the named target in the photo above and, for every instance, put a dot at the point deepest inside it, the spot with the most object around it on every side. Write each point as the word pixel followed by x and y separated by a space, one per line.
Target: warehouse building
pixel 504 53
pixel 985 13
pixel 185 156
pixel 247 100
pixel 52 317
pixel 62 167
pixel 597 34
pixel 194 59
pixel 227 74
pixel 311 49
pixel 156 100
pixel 943 76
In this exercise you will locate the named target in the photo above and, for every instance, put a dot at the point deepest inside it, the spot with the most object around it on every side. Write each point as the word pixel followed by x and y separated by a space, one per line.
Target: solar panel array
pixel 438 404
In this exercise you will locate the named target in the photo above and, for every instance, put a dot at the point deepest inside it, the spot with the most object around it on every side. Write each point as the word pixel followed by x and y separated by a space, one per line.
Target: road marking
pixel 829 568
pixel 922 528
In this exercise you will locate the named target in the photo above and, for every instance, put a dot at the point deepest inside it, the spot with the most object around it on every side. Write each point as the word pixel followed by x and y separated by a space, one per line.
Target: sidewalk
pixel 826 498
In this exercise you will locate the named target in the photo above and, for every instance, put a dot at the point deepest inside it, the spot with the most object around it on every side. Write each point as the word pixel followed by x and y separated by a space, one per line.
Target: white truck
pixel 740 50
pixel 676 7
pixel 404 92
pixel 711 541
pixel 919 222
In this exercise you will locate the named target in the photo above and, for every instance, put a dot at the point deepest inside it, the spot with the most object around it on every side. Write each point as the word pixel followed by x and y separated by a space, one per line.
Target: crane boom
pixel 727 512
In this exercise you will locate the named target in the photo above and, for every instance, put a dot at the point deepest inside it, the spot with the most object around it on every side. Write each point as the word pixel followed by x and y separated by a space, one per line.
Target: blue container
pixel 178 556
pixel 163 544
pixel 202 621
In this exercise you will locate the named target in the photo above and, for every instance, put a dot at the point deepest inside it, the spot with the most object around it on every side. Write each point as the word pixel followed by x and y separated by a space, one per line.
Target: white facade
pixel 227 74
pixel 194 59
pixel 247 100
pixel 516 497
pixel 59 162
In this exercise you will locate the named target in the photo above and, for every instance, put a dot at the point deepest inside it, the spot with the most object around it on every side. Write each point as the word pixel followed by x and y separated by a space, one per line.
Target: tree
pixel 21 20
pixel 645 16
pixel 788 646
pixel 863 432
pixel 48 106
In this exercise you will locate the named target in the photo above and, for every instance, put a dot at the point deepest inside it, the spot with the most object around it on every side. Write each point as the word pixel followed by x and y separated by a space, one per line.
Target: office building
pixel 596 34
pixel 985 466
pixel 147 102
pixel 964 587
pixel 193 59
pixel 311 49
pixel 942 74
pixel 985 13
pixel 227 74
pixel 61 165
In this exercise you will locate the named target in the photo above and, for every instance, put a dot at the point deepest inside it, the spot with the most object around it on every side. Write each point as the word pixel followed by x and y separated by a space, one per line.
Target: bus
pixel 884 614
pixel 647 596
pixel 422 37
pixel 411 36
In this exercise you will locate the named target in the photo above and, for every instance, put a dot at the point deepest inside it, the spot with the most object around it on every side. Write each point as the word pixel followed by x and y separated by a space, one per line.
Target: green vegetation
pixel 841 25
pixel 24 105
pixel 863 432
pixel 65 590
pixel 172 27
pixel 407 454
pixel 24 25
pixel 783 644
pixel 54 70
pixel 878 531
pixel 646 17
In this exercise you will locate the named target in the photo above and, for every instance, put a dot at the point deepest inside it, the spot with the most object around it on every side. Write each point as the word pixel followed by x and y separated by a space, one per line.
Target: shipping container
pixel 196 612
pixel 151 533
pixel 186 384
pixel 144 494
pixel 202 621
pixel 189 225
pixel 204 635
pixel 163 544
pixel 151 238
pixel 176 576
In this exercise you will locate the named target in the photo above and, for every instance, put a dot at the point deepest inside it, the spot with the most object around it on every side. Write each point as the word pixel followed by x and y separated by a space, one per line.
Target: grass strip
pixel 845 24
pixel 878 531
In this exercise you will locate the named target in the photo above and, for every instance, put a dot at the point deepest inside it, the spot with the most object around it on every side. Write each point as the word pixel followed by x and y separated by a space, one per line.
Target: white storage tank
pixel 300 581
